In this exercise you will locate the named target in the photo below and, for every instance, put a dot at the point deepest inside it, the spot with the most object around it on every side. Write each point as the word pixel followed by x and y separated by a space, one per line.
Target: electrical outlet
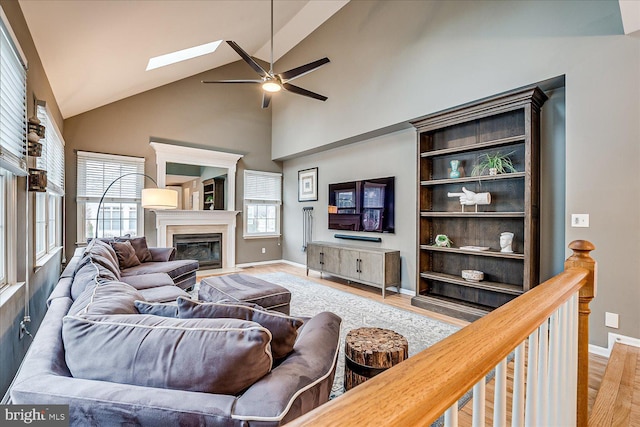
pixel 580 220
pixel 611 320
pixel 264 250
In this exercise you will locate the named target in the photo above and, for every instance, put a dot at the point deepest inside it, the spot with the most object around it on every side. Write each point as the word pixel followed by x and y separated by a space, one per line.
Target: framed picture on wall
pixel 308 185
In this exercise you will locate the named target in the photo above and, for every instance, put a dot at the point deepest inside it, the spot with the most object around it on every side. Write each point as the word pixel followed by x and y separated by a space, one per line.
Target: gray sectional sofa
pixel 114 366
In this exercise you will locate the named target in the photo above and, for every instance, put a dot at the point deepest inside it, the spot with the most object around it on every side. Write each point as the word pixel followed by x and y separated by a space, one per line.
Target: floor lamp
pixel 152 198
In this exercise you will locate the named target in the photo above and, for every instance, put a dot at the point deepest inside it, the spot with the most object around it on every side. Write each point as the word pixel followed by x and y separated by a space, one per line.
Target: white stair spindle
pixel 553 376
pixel 543 354
pixel 500 396
pixel 479 400
pixel 517 416
pixel 531 404
pixel 451 416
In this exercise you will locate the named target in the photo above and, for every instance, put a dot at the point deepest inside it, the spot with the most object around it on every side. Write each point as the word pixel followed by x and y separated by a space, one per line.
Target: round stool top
pixel 375 340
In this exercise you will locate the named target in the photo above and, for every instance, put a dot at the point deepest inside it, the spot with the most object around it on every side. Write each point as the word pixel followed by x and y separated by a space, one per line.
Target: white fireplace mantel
pixel 170 222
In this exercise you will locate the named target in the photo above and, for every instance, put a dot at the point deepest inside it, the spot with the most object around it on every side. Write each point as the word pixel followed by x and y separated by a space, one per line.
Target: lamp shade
pixel 159 198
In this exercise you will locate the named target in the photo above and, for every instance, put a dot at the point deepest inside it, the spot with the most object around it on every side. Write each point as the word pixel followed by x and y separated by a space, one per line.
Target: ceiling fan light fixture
pixel 271 86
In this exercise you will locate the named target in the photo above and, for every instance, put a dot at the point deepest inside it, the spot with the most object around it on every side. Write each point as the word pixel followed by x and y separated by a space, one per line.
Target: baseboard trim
pixel 622 339
pixel 253 264
pixel 611 340
pixel 600 351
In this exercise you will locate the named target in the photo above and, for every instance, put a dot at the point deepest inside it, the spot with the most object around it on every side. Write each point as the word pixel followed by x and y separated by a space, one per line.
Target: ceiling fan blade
pixel 248 59
pixel 304 92
pixel 266 98
pixel 232 81
pixel 300 71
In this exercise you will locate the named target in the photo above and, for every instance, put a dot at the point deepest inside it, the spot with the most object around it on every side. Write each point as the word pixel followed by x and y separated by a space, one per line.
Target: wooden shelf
pixel 428 214
pixel 514 175
pixel 493 254
pixel 489 286
pixel 474 147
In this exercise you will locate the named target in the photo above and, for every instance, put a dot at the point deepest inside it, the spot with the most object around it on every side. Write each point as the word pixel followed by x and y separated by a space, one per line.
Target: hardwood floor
pixel 597 364
pixel 618 400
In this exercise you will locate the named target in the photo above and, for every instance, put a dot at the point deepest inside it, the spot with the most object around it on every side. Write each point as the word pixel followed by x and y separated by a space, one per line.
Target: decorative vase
pixel 455 173
pixel 493 171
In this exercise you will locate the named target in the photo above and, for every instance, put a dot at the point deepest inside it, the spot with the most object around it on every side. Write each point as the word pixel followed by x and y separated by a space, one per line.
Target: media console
pixel 377 267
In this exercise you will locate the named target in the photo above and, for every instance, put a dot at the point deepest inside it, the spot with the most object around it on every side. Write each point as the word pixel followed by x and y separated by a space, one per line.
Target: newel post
pixel 582 259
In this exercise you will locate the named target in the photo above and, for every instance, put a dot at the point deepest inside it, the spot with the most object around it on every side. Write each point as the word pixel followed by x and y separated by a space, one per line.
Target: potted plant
pixel 495 163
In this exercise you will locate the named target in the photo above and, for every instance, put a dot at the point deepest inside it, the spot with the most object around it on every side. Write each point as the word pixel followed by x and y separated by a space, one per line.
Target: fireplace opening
pixel 206 248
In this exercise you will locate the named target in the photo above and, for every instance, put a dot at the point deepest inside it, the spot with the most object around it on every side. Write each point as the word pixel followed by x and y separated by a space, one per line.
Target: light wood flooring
pixel 597 364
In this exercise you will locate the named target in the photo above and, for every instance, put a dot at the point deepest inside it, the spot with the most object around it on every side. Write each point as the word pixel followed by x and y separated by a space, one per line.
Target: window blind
pixel 13 90
pixel 52 159
pixel 96 171
pixel 263 186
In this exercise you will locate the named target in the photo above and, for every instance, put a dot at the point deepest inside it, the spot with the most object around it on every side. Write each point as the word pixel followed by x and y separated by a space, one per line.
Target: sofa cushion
pixel 174 269
pixel 149 280
pixel 140 246
pixel 203 355
pixel 89 273
pixel 283 328
pixel 126 254
pixel 106 298
pixel 162 293
pixel 164 309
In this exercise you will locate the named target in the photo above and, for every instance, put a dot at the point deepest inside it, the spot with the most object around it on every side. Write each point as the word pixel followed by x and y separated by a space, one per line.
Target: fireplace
pixel 206 248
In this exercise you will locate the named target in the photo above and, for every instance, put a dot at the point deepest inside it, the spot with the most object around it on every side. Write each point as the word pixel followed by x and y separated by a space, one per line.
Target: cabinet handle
pixel 321 258
pixel 358 265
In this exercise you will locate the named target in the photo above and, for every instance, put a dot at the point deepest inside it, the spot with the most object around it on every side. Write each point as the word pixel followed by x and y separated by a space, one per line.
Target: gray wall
pixel 389 155
pixel 41 282
pixel 217 117
pixel 393 61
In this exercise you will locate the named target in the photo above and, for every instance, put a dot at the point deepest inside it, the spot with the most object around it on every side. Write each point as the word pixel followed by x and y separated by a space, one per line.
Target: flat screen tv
pixel 366 205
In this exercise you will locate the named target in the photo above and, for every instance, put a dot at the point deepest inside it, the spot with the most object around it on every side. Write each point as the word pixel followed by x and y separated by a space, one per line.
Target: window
pixel 13 130
pixel 41 224
pixel 262 203
pixel 3 235
pixel 121 211
pixel 48 205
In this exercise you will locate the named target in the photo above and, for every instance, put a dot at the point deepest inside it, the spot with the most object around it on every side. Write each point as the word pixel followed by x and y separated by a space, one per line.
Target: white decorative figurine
pixel 469 198
pixel 506 239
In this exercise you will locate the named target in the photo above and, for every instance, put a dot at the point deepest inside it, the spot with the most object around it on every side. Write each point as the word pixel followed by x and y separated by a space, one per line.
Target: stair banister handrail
pixel 420 389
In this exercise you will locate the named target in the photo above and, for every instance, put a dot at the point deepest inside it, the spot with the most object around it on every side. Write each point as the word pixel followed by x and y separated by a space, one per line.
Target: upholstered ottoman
pixel 243 287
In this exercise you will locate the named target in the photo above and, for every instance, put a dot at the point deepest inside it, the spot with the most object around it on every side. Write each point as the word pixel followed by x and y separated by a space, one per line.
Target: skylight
pixel 182 55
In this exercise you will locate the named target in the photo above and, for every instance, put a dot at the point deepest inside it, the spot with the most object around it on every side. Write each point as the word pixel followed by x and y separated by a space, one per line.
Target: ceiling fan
pixel 272 82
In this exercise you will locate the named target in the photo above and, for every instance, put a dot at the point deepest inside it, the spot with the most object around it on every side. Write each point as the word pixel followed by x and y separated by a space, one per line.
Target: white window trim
pixel 277 203
pixel 11 202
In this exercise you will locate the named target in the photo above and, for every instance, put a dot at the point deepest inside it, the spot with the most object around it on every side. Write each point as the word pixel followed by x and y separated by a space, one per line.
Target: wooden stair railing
pixel 419 390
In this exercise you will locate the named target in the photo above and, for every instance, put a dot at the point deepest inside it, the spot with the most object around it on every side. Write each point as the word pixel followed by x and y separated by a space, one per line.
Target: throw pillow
pixel 222 356
pixel 163 309
pixel 140 246
pixel 126 254
pixel 283 328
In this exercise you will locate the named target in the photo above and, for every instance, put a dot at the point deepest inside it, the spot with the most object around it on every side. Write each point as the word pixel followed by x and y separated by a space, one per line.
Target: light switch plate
pixel 580 220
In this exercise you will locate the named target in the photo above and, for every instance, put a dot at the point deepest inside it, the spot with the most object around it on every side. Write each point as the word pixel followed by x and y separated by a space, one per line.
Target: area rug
pixel 309 298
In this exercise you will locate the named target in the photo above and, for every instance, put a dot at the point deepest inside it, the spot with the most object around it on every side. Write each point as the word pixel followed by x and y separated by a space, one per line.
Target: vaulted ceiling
pixel 95 52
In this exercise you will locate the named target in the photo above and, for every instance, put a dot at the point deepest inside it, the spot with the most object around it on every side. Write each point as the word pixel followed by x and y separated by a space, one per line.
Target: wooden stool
pixel 370 351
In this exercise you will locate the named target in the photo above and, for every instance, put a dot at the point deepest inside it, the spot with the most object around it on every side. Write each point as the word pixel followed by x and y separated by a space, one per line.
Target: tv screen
pixel 366 205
